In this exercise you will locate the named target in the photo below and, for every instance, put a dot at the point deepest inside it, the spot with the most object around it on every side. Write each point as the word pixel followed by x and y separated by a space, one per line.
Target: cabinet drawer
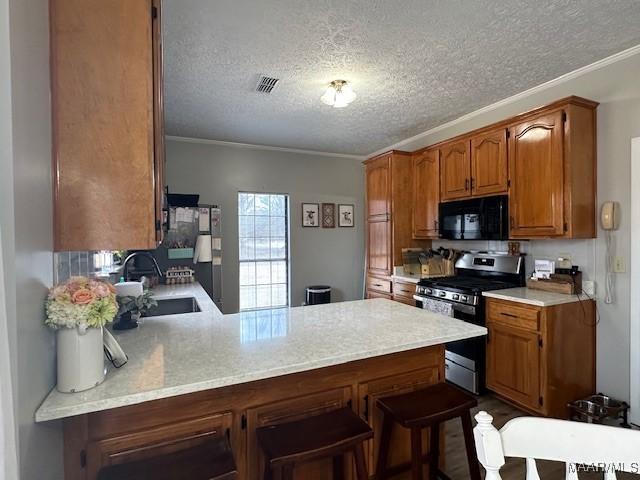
pixel 378 284
pixel 514 315
pixel 404 289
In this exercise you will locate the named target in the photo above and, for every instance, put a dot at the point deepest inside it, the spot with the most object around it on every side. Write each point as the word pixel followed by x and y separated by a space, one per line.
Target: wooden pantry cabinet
pixel 389 195
pixel 107 115
pixel 541 358
pixel 426 193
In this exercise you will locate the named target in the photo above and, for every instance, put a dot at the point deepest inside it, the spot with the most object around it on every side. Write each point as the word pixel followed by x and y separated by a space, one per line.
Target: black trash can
pixel 317 294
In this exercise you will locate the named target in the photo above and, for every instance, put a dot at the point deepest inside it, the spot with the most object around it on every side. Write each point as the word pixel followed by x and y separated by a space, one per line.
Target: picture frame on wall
pixel 310 215
pixel 345 215
pixel 328 215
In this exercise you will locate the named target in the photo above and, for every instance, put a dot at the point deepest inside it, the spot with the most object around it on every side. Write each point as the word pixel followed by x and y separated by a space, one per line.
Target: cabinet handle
pixel 435 224
pixel 472 182
pixel 466 184
pixel 508 315
pixel 377 285
pixel 512 221
pixel 366 407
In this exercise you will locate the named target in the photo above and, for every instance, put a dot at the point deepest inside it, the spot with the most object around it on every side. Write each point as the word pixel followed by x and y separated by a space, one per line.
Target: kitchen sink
pixel 174 306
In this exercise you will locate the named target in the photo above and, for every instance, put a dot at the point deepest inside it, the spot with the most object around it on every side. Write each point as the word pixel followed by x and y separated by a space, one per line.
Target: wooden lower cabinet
pixel 286 411
pixel 403 292
pixel 519 377
pixel 541 358
pixel 135 432
pixel 369 393
pixel 165 439
pixel 372 294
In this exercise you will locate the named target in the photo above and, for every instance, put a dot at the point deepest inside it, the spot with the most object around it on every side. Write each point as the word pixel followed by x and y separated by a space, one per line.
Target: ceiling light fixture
pixel 339 94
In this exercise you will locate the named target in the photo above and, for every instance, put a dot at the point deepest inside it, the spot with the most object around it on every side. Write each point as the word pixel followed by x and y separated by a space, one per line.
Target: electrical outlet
pixel 618 265
pixel 589 287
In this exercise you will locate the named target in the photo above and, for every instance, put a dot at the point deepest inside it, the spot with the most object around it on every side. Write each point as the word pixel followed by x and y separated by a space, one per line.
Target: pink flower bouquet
pixel 81 302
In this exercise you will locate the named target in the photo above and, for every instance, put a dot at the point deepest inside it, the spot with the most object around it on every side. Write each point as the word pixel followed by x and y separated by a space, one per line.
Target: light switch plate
pixel 619 265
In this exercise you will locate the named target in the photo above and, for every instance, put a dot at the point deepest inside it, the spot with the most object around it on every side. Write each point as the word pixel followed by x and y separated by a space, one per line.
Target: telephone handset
pixel 609 216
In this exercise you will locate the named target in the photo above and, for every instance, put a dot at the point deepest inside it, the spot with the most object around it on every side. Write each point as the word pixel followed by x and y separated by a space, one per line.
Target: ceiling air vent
pixel 266 84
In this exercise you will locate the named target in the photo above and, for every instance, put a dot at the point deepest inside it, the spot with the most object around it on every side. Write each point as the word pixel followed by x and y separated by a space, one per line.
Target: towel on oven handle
pixel 438 306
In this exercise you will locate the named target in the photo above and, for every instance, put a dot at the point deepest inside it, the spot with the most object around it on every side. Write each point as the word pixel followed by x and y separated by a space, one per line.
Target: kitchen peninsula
pixel 197 375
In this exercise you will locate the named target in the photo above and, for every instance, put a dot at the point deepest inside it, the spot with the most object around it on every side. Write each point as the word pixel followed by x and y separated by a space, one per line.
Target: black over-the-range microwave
pixel 476 219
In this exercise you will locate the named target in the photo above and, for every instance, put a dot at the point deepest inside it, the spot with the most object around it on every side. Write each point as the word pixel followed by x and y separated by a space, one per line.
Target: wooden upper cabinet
pixel 489 163
pixel 455 170
pixel 379 188
pixel 536 168
pixel 108 142
pixel 426 194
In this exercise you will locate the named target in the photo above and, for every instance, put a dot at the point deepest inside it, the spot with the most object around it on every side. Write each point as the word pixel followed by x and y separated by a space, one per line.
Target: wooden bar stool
pixel 427 408
pixel 328 435
pixel 212 460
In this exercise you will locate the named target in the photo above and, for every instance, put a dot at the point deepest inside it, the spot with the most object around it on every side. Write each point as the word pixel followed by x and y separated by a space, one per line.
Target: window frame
pixel 255 261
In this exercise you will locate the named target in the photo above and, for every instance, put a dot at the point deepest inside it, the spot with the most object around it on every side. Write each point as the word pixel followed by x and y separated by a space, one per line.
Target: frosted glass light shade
pixel 339 94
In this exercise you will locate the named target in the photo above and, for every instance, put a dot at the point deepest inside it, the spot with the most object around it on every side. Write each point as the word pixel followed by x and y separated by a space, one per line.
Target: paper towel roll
pixel 202 252
pixel 128 289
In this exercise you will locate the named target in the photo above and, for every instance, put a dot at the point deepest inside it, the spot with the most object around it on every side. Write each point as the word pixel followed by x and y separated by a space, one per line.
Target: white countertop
pixel 539 298
pixel 180 354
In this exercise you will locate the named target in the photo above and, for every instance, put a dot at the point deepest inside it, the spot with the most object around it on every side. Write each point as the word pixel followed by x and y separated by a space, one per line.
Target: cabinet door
pixel 158 119
pixel 426 194
pixel 455 171
pixel 370 392
pixel 379 247
pixel 378 174
pixel 513 364
pixel 536 162
pixel 102 93
pixel 374 294
pixel 287 411
pixel 153 442
pixel 489 163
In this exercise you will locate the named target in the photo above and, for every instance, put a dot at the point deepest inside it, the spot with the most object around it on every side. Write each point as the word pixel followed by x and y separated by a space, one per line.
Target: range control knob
pixel 429 291
pixel 464 298
pixel 455 296
pixel 442 294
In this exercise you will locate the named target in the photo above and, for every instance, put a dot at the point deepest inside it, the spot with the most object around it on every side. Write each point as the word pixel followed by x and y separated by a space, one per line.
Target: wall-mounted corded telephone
pixel 609 216
pixel 609 220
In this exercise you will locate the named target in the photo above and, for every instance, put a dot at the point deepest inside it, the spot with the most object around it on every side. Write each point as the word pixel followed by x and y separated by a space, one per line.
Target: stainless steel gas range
pixel 460 296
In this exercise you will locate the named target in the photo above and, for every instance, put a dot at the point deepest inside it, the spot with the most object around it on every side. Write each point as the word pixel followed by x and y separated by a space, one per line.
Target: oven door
pixel 465 359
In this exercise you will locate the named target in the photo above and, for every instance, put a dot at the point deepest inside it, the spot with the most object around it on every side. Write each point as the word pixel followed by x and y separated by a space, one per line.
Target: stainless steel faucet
pixel 125 264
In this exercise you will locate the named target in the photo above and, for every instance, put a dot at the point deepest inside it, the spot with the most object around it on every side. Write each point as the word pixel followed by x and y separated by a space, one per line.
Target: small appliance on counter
pixel 460 297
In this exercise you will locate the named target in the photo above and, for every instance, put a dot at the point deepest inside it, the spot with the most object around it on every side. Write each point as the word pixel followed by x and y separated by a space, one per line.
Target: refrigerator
pixel 183 227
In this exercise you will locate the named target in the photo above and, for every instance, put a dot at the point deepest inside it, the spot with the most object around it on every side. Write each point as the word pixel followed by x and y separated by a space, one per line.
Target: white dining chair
pixel 578 445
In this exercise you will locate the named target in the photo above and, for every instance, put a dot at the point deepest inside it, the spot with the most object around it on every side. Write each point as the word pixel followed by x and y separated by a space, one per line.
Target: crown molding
pixel 250 146
pixel 617 57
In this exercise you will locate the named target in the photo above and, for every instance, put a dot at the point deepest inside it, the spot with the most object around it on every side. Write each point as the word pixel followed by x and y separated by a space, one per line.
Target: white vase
pixel 80 359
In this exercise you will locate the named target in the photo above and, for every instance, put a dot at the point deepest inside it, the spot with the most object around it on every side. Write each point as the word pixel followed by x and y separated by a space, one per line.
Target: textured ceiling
pixel 414 64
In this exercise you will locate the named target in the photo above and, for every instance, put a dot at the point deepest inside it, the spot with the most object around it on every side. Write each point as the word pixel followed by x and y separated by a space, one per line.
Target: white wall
pixel 27 219
pixel 617 87
pixel 318 255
